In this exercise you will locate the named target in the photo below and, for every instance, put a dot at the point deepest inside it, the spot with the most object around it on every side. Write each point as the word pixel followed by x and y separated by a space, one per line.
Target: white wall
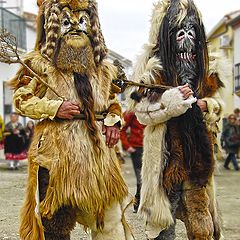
pixel 31 38
pixel 236 60
pixel 8 71
pixel 1 98
pixel 15 6
pixel 237 46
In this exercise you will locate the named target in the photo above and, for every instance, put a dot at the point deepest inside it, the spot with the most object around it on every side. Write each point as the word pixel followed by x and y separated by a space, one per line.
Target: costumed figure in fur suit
pixel 178 161
pixel 74 174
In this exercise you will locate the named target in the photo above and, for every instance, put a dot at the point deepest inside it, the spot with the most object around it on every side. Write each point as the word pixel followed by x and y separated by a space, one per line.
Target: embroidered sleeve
pixel 32 105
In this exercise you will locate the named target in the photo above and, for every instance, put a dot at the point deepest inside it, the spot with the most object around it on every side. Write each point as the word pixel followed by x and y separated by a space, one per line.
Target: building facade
pixel 235 23
pixel 224 39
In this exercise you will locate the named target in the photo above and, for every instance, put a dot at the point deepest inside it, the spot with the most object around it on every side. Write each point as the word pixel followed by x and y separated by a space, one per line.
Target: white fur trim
pixel 215 107
pixel 158 14
pixel 170 105
pixel 111 119
pixel 145 71
pixel 154 204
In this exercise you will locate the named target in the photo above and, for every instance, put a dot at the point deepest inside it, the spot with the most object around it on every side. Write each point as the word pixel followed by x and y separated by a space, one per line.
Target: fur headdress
pixel 49 26
pixel 167 18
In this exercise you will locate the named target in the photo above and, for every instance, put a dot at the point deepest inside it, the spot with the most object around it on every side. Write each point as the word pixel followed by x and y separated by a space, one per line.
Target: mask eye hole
pixel 191 34
pixel 180 35
pixel 82 20
pixel 66 23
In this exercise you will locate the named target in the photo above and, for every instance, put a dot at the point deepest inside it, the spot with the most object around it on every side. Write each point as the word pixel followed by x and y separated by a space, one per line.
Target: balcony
pixel 15 25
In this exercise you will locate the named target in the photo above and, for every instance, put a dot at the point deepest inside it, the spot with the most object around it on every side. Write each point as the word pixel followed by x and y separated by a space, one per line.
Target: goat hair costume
pixel 73 175
pixel 178 161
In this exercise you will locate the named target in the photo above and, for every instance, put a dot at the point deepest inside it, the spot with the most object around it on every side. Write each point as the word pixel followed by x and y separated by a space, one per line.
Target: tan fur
pixel 154 205
pixel 70 161
pixel 175 173
pixel 31 227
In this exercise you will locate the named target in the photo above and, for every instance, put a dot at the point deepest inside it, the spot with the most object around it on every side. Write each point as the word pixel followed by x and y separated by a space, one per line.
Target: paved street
pixel 12 184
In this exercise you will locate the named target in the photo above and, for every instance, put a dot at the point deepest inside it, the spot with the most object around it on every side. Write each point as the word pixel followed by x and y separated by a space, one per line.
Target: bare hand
pixel 186 91
pixel 112 135
pixel 131 150
pixel 68 110
pixel 16 131
pixel 202 104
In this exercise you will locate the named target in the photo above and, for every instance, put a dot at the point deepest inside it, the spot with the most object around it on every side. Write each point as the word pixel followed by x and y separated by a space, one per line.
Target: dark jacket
pixel 14 142
pixel 231 138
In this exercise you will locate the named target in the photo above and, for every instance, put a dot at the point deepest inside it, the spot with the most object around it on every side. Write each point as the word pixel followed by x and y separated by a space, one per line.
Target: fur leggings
pixel 65 219
pixel 192 207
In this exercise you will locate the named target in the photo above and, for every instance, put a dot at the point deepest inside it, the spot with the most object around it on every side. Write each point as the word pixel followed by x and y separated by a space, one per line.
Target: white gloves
pixel 170 105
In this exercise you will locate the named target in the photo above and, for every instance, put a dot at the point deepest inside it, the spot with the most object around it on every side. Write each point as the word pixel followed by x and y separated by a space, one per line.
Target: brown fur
pixel 174 173
pixel 198 220
pixel 211 85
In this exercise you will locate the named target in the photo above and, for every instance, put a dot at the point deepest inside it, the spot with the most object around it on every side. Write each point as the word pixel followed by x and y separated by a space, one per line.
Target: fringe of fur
pixel 154 205
pixel 51 27
pixel 146 70
pixel 30 225
pixel 100 49
pixel 158 14
pixel 221 66
pixel 214 209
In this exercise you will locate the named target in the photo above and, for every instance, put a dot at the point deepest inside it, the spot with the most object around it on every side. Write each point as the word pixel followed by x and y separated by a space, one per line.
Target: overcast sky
pixel 125 23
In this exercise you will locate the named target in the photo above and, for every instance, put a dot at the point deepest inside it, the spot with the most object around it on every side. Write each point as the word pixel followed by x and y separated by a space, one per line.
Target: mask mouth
pixel 76 33
pixel 186 56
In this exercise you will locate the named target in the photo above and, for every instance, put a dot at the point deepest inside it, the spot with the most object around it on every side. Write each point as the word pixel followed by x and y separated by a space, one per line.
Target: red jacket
pixel 133 137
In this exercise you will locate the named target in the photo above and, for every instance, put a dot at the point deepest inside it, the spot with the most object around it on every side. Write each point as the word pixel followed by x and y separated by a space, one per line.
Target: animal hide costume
pixel 178 161
pixel 73 175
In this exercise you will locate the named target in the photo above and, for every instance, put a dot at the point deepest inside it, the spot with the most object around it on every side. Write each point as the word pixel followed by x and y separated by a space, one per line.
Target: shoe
pixel 226 167
pixel 135 210
pixel 135 207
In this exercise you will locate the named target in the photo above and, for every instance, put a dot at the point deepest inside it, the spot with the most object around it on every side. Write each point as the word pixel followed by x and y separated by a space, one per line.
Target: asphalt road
pixel 12 185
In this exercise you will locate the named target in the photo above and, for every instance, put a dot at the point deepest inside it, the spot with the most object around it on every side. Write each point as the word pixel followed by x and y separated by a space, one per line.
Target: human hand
pixel 186 91
pixel 202 104
pixel 68 110
pixel 16 131
pixel 131 150
pixel 112 135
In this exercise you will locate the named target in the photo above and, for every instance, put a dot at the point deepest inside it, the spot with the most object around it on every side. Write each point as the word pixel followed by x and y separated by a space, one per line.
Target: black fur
pixel 197 147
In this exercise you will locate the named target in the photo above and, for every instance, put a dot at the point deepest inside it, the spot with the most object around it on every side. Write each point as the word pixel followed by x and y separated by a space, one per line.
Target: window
pixel 15 25
pixel 237 77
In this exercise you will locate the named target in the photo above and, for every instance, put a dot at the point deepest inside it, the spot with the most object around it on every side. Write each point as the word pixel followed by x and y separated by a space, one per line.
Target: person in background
pixel 14 142
pixel 1 133
pixel 29 133
pixel 231 139
pixel 1 137
pixel 132 141
pixel 237 114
